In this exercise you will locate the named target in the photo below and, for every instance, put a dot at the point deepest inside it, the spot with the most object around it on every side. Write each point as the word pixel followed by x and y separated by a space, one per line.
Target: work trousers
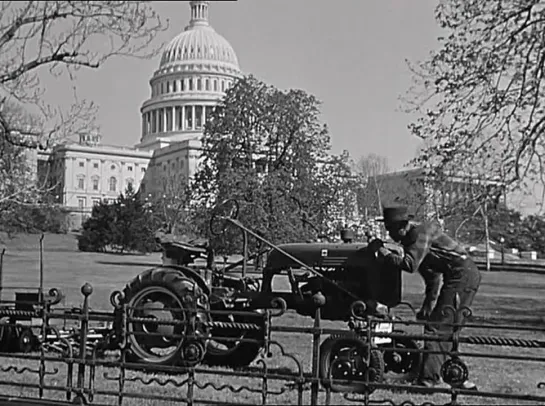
pixel 462 280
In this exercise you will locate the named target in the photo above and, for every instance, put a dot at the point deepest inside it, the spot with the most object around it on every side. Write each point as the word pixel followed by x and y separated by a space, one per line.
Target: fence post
pixel 86 291
pixel 245 252
pixel 319 301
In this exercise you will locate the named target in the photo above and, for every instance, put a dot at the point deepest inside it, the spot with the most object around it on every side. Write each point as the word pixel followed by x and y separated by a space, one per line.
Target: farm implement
pixel 189 312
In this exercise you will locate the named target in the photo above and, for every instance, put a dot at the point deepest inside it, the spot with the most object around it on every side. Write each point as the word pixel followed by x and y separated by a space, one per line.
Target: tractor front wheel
pixel 346 357
pixel 402 358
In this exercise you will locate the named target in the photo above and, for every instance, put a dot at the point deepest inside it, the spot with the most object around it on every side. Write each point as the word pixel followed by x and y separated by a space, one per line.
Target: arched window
pixel 130 183
pixel 113 184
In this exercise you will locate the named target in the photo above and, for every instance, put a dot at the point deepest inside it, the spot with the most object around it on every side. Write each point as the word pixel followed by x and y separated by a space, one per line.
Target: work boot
pixel 427 383
pixel 467 385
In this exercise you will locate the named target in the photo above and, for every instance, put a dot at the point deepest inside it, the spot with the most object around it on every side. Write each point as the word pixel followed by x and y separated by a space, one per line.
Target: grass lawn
pixel 516 297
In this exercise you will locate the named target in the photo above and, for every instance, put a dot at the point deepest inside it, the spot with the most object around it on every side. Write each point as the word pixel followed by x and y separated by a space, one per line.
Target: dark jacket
pixel 429 251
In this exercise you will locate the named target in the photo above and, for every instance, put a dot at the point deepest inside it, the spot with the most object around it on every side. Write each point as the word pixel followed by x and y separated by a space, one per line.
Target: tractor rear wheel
pixel 163 294
pixel 233 352
pixel 346 357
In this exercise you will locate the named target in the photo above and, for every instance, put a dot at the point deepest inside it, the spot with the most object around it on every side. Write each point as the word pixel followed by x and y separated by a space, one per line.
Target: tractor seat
pixel 184 248
pixel 199 242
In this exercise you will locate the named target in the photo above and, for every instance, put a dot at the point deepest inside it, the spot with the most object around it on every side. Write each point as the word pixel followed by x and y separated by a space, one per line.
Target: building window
pixel 188 118
pixel 179 118
pixel 162 88
pixel 207 84
pixel 113 184
pixel 95 183
pixel 199 84
pixel 190 84
pixel 81 182
pixel 143 170
pixel 182 85
pixel 130 183
pixel 112 167
pixel 96 202
pixel 161 121
pixel 215 85
pixel 95 165
pixel 81 202
pixel 129 168
pixel 153 122
pixel 222 86
pixel 169 119
pixel 208 112
pixel 81 164
pixel 198 117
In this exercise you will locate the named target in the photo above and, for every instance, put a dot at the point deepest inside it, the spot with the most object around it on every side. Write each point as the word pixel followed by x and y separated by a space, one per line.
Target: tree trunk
pixel 486 236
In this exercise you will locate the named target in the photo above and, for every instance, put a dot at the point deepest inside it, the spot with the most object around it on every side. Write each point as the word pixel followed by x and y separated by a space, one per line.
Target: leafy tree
pixel 368 169
pixel 479 96
pixel 171 206
pixel 267 149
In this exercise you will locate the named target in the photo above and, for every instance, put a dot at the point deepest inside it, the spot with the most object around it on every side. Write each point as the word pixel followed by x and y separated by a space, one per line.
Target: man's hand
pixel 424 313
pixel 375 245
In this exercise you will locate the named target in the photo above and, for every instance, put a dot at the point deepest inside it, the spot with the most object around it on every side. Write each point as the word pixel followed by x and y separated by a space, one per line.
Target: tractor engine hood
pixel 347 264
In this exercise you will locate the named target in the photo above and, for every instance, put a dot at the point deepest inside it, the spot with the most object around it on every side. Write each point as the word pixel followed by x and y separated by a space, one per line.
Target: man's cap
pixel 395 214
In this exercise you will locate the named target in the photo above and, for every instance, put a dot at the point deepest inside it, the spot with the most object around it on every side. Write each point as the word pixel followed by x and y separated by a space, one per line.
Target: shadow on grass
pixel 272 370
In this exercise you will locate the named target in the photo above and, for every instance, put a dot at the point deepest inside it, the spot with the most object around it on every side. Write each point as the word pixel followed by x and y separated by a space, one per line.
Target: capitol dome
pixel 195 70
pixel 199 42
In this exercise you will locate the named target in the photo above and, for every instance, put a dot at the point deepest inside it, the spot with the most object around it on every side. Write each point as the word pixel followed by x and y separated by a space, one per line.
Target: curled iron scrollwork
pixel 279 306
pixel 55 296
pixel 116 299
pixel 358 309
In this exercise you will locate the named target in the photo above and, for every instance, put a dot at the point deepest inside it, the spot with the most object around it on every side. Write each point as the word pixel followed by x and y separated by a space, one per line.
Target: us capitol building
pixel 195 70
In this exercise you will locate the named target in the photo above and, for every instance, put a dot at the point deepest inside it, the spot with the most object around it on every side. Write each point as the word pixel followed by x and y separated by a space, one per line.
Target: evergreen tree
pixel 125 225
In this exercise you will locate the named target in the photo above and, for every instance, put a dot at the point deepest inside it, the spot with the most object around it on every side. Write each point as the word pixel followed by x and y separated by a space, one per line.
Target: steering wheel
pixel 221 214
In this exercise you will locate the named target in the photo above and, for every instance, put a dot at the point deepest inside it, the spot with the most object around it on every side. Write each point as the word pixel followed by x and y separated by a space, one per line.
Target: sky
pixel 350 54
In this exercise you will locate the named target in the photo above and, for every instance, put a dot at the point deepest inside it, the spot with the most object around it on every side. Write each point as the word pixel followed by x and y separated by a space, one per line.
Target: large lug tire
pixel 164 294
pixel 344 357
pixel 403 365
pixel 234 354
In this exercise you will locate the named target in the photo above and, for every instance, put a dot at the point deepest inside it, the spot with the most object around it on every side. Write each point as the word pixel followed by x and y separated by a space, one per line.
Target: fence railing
pixel 94 362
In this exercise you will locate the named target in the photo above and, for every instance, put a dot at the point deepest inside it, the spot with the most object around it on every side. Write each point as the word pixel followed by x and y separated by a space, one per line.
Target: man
pixel 433 254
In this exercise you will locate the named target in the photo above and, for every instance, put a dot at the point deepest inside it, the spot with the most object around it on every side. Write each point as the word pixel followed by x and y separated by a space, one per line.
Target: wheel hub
pixel 155 310
pixel 192 352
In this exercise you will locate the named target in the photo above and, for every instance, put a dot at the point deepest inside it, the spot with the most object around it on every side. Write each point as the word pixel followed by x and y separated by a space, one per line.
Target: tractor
pixel 331 276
